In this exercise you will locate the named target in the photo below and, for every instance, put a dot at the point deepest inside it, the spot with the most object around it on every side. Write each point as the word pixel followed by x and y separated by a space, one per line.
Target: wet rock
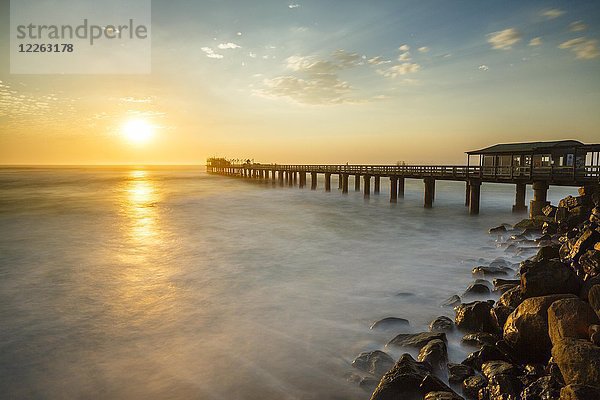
pixel 374 362
pixel 432 383
pixel 475 317
pixel 403 381
pixel 594 334
pixel 570 318
pixel 404 294
pixel 590 262
pixel 511 298
pixel 499 262
pixel 545 387
pixel 526 329
pixel 553 370
pixel 442 396
pixel 501 282
pixel 487 353
pixel 546 278
pixel 436 354
pixel 451 301
pixel 587 285
pixel 490 271
pixel 490 369
pixel 441 324
pixel 502 387
pixel 498 229
pixel 547 253
pixel 549 210
pixel 528 224
pixel 504 288
pixel 579 392
pixel 480 338
pixel 368 383
pixel 472 385
pixel 389 323
pixel 457 373
pixel 500 314
pixel 416 340
pixel 585 242
pixel 532 373
pixel 476 289
pixel 578 360
pixel 594 298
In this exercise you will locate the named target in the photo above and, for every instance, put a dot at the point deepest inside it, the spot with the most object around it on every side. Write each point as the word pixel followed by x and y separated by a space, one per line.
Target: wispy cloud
pixel 552 13
pixel 346 60
pixel 400 69
pixel 210 53
pixel 378 60
pixel 505 39
pixel 404 47
pixel 577 26
pixel 294 5
pixel 424 49
pixel 229 45
pixel 584 49
pixel 483 67
pixel 536 41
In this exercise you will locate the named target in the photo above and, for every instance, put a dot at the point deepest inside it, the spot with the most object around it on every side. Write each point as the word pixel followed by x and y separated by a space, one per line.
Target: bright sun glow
pixel 138 131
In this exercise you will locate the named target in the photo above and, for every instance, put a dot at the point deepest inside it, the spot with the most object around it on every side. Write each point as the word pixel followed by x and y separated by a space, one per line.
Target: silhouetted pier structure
pixel 540 164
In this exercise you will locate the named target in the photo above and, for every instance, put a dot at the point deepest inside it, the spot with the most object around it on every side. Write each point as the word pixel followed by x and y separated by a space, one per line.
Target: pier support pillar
pixel 357 183
pixel 313 181
pixel 377 184
pixel 295 177
pixel 520 198
pixel 429 192
pixel 340 179
pixel 467 193
pixel 367 191
pixel 273 177
pixel 401 187
pixel 344 183
pixel 327 182
pixel 474 196
pixel 540 195
pixel 393 189
pixel 302 179
pixel 290 178
pixel 280 178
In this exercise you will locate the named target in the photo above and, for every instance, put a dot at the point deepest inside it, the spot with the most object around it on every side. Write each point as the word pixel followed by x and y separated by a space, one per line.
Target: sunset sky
pixel 320 81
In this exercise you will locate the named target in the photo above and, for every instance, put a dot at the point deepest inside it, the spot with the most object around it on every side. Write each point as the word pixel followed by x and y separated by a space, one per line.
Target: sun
pixel 137 131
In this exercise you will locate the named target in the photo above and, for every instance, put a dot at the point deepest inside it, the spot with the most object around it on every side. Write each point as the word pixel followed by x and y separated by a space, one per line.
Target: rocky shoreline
pixel 539 340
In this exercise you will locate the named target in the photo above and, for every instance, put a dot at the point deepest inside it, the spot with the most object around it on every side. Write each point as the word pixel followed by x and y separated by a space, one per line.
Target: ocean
pixel 169 283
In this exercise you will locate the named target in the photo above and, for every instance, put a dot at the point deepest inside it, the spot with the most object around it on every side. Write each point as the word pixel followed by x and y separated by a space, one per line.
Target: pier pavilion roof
pixel 534 147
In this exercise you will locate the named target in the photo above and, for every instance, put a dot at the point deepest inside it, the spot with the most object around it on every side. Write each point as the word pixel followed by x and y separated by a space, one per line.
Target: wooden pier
pixel 540 164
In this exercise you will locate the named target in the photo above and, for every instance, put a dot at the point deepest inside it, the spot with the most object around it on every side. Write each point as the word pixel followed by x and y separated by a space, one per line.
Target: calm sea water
pixel 168 283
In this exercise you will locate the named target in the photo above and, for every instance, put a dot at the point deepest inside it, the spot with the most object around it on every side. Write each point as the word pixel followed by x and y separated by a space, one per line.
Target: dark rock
pixel 511 298
pixel 457 373
pixel 590 262
pixel 403 381
pixel 594 298
pixel 505 288
pixel 526 329
pixel 498 229
pixel 587 285
pixel 475 317
pixel 485 272
pixel 547 253
pixel 500 314
pixel 441 324
pixel 432 383
pixel 499 262
pixel 374 362
pixel 528 224
pixel 487 353
pixel 553 371
pixel 549 210
pixel 489 369
pixel 545 387
pixel 416 340
pixel 505 387
pixel 548 277
pixel 585 242
pixel 442 396
pixel 436 354
pixel 579 392
pixel 501 282
pixel 404 294
pixel 480 338
pixel 570 318
pixel 476 289
pixel 579 361
pixel 451 301
pixel 472 385
pixel 594 334
pixel 532 373
pixel 390 323
pixel 367 383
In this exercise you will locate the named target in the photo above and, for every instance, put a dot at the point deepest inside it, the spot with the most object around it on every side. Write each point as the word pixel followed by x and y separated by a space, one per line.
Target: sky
pixel 320 81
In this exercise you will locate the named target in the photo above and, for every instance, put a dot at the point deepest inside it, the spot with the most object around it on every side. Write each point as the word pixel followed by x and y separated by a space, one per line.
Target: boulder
pixel 389 323
pixel 451 301
pixel 441 324
pixel 511 298
pixel 500 314
pixel 590 262
pixel 594 298
pixel 442 396
pixel 503 386
pixel 594 334
pixel 498 229
pixel 432 383
pixel 528 224
pixel 403 381
pixel 547 253
pixel 477 289
pixel 374 362
pixel 570 318
pixel 472 385
pixel 489 369
pixel 585 242
pixel 587 285
pixel 501 282
pixel 546 278
pixel 487 353
pixel 457 373
pixel 475 317
pixel 526 329
pixel 578 361
pixel 416 340
pixel 436 354
pixel 579 392
pixel 545 387
pixel 489 271
pixel 480 338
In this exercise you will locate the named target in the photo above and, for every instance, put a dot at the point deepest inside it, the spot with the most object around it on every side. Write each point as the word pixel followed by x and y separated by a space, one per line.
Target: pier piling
pixel 520 198
pixel 393 189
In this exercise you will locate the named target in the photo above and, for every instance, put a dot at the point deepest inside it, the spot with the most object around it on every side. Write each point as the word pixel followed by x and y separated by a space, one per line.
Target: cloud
pixel 577 26
pixel 314 89
pixel 400 69
pixel 210 53
pixel 503 40
pixel 584 49
pixel 536 41
pixel 226 46
pixel 378 60
pixel 346 60
pixel 552 13
pixel 483 67
pixel 404 47
pixel 294 6
pixel 424 49
pixel 404 56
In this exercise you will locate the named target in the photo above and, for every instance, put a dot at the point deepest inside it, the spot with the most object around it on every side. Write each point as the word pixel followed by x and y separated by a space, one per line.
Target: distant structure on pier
pixel 541 164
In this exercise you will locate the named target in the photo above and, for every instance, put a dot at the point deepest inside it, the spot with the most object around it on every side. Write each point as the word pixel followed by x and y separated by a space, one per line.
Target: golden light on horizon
pixel 137 131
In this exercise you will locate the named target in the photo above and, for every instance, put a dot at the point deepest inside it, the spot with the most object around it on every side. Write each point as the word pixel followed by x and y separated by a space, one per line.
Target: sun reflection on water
pixel 141 201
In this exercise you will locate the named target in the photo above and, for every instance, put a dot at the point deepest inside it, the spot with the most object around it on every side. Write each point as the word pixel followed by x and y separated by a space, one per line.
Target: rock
pixel 475 317
pixel 457 373
pixel 436 354
pixel 404 294
pixel 546 278
pixel 480 338
pixel 432 383
pixel 578 360
pixel 490 369
pixel 532 373
pixel 442 396
pixel 545 387
pixel 594 334
pixel 441 324
pixel 416 340
pixel 505 288
pixel 367 383
pixel 526 329
pixel 451 301
pixel 389 323
pixel 476 289
pixel 498 229
pixel 484 271
pixel 586 241
pixel 549 210
pixel 553 370
pixel 579 392
pixel 487 353
pixel 403 381
pixel 500 314
pixel 590 262
pixel 587 285
pixel 503 386
pixel 501 282
pixel 528 224
pixel 594 298
pixel 511 298
pixel 472 385
pixel 374 362
pixel 570 318
pixel 547 253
